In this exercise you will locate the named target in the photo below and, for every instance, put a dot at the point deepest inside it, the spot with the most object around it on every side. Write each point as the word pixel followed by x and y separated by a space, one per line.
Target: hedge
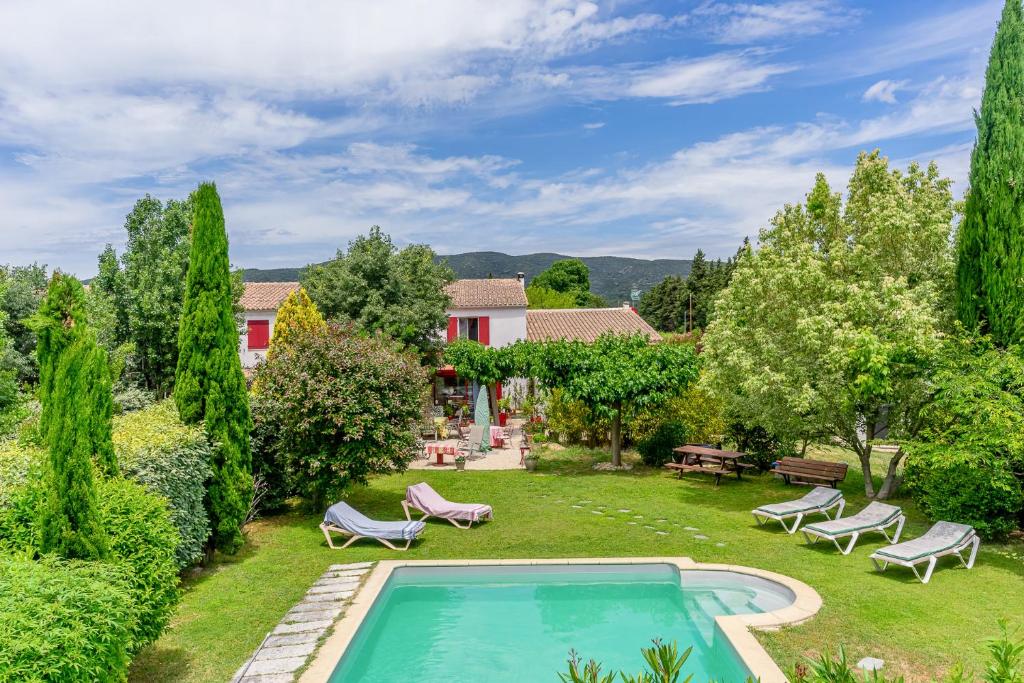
pixel 64 621
pixel 142 540
pixel 154 447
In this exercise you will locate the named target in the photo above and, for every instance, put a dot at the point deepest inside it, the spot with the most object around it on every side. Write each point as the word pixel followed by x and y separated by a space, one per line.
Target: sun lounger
pixel 944 538
pixel 423 498
pixel 818 501
pixel 342 518
pixel 875 517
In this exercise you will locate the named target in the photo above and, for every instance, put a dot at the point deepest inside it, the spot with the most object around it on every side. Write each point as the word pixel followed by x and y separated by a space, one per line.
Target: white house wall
pixel 507 324
pixel 251 358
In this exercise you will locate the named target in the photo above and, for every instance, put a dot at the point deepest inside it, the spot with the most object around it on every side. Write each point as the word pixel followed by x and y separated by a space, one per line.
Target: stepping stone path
pixel 631 523
pixel 661 533
pixel 285 649
pixel 719 545
pixel 700 537
pixel 577 506
pixel 691 528
pixel 625 511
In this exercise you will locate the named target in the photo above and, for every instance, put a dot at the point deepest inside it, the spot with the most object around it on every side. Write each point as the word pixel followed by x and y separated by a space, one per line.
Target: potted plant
pixel 530 461
pixel 460 462
pixel 504 407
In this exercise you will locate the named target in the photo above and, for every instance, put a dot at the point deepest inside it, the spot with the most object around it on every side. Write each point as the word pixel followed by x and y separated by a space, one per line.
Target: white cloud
pixel 593 126
pixel 743 23
pixel 883 91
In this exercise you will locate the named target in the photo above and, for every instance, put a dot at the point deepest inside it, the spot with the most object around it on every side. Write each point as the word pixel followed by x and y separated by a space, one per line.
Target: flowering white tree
pixel 831 328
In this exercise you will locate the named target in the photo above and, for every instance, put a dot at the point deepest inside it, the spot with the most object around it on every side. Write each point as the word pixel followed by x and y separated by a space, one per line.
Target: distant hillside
pixel 611 277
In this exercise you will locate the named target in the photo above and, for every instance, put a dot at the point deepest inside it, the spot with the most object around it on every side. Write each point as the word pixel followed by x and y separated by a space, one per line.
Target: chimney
pixel 522 279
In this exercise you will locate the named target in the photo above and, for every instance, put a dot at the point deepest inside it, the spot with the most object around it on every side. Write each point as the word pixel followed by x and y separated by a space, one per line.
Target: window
pixel 258 334
pixel 469 328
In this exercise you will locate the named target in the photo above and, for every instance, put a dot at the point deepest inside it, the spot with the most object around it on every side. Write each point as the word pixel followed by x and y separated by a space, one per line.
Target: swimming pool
pixel 507 622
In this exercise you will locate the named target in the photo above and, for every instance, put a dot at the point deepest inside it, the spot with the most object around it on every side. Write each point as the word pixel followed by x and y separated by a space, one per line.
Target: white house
pixel 260 301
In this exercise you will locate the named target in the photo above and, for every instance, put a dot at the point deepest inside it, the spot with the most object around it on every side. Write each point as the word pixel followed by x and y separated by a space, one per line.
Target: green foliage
pixel 961 467
pixel 542 297
pixel 343 404
pixel 761 446
pixel 147 285
pixel 172 460
pixel 475 362
pixel 297 315
pixel 699 412
pixel 1006 655
pixel 10 395
pixel 381 288
pixel 656 449
pixel 209 382
pixel 614 374
pixel 834 325
pixel 143 541
pixel 269 464
pixel 79 431
pixel 22 473
pixel 566 277
pixel 574 421
pixel 664 665
pixel 21 292
pixel 64 621
pixel 990 243
pixel 54 323
pixel 667 305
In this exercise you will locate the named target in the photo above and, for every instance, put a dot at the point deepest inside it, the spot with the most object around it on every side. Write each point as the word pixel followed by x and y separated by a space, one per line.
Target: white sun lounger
pixel 875 517
pixel 342 518
pixel 819 501
pixel 944 538
pixel 425 499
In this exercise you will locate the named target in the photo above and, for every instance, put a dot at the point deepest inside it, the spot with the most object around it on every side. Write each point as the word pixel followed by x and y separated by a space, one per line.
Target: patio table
pixel 497 437
pixel 440 450
pixel 708 461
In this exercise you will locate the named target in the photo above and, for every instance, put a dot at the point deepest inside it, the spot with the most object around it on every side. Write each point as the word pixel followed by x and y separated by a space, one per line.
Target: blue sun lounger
pixel 342 518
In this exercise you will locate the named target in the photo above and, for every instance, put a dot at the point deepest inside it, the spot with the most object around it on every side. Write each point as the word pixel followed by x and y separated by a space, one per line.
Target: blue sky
pixel 633 128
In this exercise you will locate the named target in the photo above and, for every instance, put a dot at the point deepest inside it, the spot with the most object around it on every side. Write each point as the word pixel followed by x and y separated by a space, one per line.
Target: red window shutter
pixel 258 334
pixel 453 329
pixel 484 330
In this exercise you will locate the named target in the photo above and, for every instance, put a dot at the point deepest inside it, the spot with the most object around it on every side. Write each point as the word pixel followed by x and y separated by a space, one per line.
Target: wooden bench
pixel 717 471
pixel 812 471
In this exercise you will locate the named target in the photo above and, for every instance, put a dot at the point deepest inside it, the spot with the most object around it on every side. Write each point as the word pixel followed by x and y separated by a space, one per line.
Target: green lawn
pixel 919 630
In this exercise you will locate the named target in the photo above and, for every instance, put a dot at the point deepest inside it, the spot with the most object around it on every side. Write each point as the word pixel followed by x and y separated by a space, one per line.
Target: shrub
pixel 656 449
pixel 762 448
pixel 268 464
pixel 21 494
pixel 344 405
pixel 131 398
pixel 964 486
pixel 574 421
pixel 173 460
pixel 64 621
pixel 143 540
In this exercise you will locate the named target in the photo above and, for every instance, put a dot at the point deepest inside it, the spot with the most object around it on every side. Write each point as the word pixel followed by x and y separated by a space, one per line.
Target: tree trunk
pixel 617 436
pixel 492 396
pixel 864 452
pixel 891 481
pixel 803 447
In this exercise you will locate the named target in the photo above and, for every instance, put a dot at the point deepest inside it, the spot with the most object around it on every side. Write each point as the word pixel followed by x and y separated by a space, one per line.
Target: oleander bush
pixel 173 460
pixel 64 621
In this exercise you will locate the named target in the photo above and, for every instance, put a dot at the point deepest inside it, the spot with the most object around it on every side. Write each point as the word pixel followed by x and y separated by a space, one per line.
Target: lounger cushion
pixel 942 537
pixel 422 497
pixel 344 516
pixel 874 515
pixel 818 498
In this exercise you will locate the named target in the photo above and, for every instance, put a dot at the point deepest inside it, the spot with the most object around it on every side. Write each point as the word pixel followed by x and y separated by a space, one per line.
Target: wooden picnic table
pixel 714 461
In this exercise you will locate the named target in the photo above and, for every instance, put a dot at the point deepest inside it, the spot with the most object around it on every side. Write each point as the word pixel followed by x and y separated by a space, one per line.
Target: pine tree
pixel 209 385
pixel 990 244
pixel 70 521
pixel 296 316
pixel 60 313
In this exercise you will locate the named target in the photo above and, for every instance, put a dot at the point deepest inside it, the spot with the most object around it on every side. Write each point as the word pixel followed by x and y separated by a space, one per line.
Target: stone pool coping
pixel 736 628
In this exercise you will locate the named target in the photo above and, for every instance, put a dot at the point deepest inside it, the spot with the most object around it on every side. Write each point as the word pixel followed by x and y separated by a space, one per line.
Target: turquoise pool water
pixel 516 624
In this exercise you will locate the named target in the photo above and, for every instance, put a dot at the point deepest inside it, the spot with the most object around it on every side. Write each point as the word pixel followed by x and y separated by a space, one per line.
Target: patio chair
pixel 819 501
pixel 875 517
pixel 423 498
pixel 474 442
pixel 342 518
pixel 944 538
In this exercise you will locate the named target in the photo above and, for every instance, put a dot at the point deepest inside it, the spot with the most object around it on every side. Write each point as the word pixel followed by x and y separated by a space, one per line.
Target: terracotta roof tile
pixel 585 324
pixel 266 296
pixel 488 293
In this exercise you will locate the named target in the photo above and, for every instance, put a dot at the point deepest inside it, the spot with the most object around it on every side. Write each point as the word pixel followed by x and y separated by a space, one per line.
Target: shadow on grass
pixel 158 662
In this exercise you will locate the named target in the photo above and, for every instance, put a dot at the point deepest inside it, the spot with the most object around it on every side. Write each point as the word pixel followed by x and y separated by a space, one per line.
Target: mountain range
pixel 611 277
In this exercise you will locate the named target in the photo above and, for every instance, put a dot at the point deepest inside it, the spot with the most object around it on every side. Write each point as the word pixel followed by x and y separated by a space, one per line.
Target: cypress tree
pixel 990 244
pixel 70 521
pixel 209 384
pixel 61 312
